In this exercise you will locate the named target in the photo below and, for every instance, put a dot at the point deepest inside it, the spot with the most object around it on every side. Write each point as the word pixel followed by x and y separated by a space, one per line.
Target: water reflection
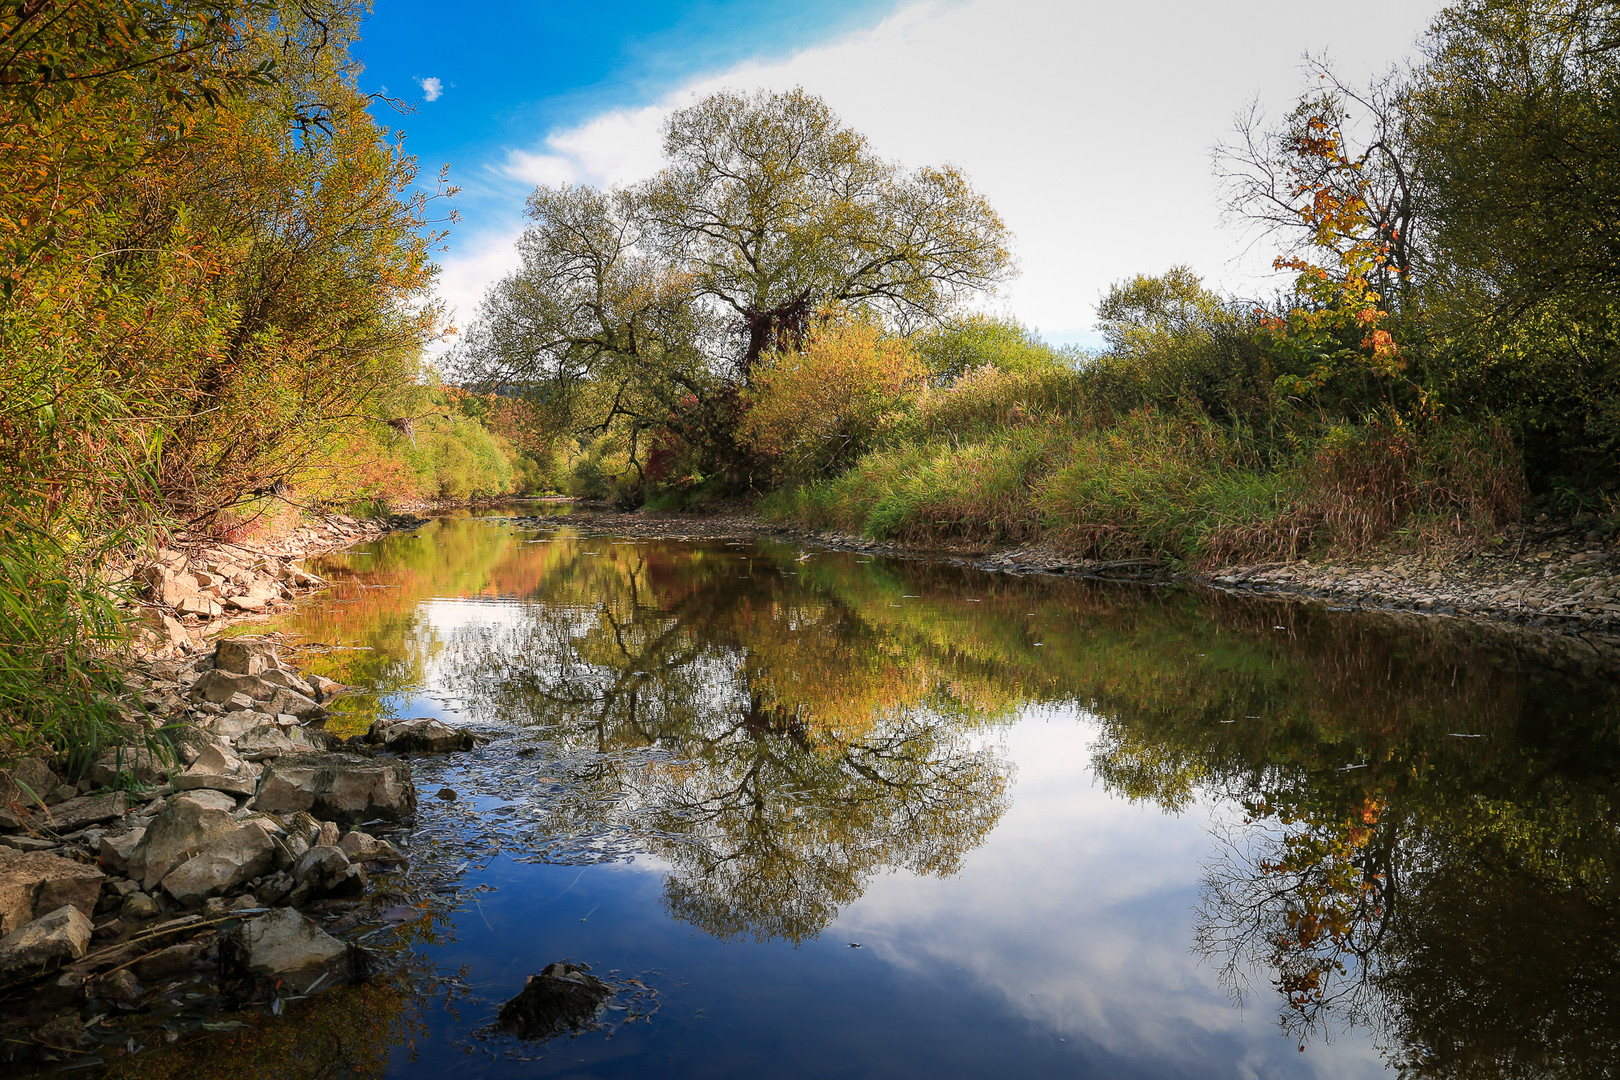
pixel 1416 829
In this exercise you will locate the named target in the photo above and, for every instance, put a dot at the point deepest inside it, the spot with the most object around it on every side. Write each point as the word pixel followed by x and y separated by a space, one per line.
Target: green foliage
pixel 954 348
pixel 646 309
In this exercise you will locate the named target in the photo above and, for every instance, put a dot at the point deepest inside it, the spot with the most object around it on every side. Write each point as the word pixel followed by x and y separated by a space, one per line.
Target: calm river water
pixel 1075 828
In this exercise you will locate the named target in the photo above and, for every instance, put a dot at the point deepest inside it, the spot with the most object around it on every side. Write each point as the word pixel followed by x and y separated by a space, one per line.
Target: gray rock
pixel 168 963
pixel 26 783
pixel 338 787
pixel 190 822
pixel 29 843
pixel 203 607
pixel 234 725
pixel 192 779
pixel 228 862
pixel 76 813
pixel 141 764
pixel 139 907
pixel 363 847
pixel 274 889
pixel 45 943
pixel 289 681
pixel 419 735
pixel 285 945
pixel 217 685
pixel 268 741
pixel 326 871
pixel 252 600
pixel 292 703
pixel 117 848
pixel 120 986
pixel 562 997
pixel 325 689
pixel 33 883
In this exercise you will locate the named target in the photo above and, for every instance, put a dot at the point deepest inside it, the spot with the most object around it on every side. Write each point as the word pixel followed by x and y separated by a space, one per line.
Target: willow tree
pixel 650 306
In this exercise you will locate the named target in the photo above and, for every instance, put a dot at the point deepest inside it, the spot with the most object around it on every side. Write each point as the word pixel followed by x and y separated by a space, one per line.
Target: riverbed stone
pixel 135 762
pixel 418 735
pixel 266 741
pixel 325 689
pixel 363 847
pixel 33 883
pixel 326 871
pixel 562 997
pixel 36 947
pixel 26 783
pixel 338 787
pixel 286 945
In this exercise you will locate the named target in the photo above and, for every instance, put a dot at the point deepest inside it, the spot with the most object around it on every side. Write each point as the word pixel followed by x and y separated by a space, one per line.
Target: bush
pixel 813 411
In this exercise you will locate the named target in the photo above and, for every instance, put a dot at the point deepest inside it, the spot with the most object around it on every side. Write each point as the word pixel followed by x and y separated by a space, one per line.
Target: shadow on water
pixel 1408 828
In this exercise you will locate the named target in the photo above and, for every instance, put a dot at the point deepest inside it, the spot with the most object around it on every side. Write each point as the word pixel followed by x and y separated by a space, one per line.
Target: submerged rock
pixel 286 945
pixel 562 997
pixel 419 735
pixel 48 942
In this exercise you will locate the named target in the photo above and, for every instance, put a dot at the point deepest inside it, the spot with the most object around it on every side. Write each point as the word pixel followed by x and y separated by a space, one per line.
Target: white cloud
pixel 432 88
pixel 1087 124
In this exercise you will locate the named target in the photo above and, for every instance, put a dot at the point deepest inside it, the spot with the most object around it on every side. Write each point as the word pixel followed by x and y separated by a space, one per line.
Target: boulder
pixel 285 945
pixel 243 657
pixel 339 787
pixel 201 606
pixel 168 963
pixel 85 810
pixel 240 703
pixel 326 871
pixel 562 997
pixel 252 600
pixel 264 742
pixel 26 783
pixel 228 862
pixel 139 907
pixel 234 725
pixel 45 943
pixel 291 682
pixel 218 685
pixel 419 735
pixel 292 703
pixel 193 779
pixel 33 883
pixel 325 689
pixel 136 762
pixel 363 847
pixel 189 823
pixel 117 848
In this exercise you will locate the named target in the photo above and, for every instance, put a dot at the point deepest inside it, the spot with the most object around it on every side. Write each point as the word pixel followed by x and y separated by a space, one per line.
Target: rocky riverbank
pixel 186 593
pixel 227 846
pixel 1545 577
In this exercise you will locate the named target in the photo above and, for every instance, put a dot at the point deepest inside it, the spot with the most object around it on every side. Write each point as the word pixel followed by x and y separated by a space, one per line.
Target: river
pixel 819 814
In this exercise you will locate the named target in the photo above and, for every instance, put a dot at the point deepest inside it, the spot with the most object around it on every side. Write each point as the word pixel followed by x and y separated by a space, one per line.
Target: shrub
pixel 814 410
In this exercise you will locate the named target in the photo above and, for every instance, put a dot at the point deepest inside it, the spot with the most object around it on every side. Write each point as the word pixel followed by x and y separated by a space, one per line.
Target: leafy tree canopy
pixel 651 305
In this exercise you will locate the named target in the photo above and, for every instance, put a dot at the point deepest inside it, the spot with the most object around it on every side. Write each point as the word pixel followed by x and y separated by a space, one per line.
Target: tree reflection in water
pixel 1421 828
pixel 796 755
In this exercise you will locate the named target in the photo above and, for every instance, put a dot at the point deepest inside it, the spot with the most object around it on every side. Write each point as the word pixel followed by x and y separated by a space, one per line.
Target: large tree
pixel 651 305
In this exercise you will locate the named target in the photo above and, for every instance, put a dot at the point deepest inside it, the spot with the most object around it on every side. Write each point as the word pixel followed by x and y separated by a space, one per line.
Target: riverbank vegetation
pixel 215 289
pixel 785 319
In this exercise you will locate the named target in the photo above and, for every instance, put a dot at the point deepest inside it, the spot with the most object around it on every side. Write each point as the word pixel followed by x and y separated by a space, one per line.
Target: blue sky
pixel 1087 123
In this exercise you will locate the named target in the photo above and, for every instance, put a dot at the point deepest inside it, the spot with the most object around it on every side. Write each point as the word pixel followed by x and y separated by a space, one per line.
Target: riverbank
pixel 1558 578
pixel 186 593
